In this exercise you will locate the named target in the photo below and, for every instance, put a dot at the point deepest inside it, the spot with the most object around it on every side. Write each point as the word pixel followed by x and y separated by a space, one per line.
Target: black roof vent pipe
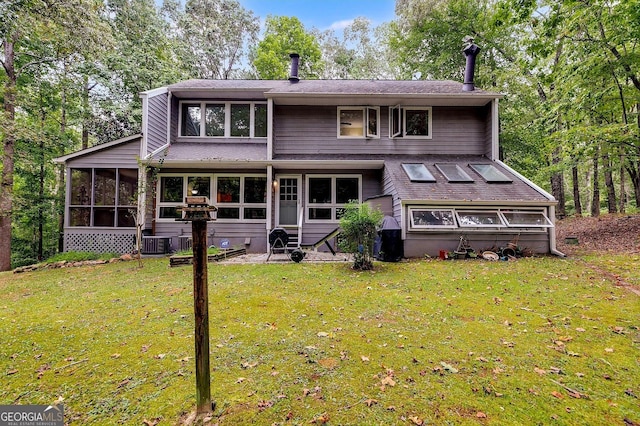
pixel 295 59
pixel 470 50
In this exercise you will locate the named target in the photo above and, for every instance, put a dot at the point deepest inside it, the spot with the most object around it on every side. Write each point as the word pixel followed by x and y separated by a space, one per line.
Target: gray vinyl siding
pixel 236 233
pixel 419 244
pixel 122 156
pixel 157 122
pixel 313 130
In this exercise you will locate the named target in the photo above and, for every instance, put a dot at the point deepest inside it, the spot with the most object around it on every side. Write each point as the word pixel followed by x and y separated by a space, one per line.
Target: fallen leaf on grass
pixel 364 358
pixel 539 371
pixel 369 402
pixel 481 415
pixel 416 420
pixel 115 356
pixel 388 381
pixel 608 350
pixel 557 394
pixel 246 365
pixel 12 371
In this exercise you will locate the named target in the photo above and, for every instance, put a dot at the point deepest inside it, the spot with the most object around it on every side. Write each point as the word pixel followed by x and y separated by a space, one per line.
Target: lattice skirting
pixel 100 242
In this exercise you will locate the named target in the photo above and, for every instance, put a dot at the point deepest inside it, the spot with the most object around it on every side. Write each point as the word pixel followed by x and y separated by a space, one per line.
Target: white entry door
pixel 289 190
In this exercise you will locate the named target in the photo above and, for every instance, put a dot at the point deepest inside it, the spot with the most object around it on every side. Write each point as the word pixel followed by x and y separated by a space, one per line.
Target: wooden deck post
pixel 201 310
pixel 198 212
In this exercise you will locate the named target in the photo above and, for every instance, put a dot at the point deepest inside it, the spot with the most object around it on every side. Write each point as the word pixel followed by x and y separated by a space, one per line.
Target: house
pixel 289 154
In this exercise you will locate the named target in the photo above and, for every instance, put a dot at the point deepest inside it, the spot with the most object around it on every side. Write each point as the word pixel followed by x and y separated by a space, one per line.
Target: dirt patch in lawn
pixel 606 233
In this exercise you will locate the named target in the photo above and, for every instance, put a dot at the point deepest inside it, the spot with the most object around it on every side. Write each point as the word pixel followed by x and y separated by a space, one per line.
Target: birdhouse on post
pixel 198 211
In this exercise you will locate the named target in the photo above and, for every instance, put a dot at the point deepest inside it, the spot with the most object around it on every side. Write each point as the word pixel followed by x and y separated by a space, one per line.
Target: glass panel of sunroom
pixel 526 219
pixel 479 218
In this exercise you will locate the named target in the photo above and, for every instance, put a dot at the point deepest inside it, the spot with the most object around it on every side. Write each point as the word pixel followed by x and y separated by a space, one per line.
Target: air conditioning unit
pixel 156 245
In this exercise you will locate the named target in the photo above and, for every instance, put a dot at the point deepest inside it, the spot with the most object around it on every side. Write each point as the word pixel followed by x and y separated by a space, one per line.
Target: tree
pixel 359 224
pixel 35 35
pixel 285 35
pixel 214 35
pixel 359 54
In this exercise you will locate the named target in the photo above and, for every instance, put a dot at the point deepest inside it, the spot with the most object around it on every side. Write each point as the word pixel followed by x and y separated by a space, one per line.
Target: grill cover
pixel 388 246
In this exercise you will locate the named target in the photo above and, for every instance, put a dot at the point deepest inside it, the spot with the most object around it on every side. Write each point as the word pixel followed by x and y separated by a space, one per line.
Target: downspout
pixel 552 233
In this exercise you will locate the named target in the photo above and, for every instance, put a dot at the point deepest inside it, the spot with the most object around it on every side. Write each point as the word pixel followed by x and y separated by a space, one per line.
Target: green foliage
pixel 359 227
pixel 285 35
pixel 79 256
pixel 439 342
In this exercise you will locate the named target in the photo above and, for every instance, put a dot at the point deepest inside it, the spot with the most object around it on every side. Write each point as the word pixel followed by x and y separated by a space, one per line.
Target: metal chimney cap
pixel 295 58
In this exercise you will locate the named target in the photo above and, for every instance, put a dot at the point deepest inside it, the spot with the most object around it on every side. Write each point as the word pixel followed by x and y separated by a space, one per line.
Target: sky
pixel 324 14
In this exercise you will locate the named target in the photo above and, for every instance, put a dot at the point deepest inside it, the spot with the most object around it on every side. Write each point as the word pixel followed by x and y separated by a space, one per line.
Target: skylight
pixel 418 172
pixel 454 173
pixel 490 173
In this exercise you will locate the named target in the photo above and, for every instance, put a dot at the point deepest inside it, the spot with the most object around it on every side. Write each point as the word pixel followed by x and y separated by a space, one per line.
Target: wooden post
pixel 201 309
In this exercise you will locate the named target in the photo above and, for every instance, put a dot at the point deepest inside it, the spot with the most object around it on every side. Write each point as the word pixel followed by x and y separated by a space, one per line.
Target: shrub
pixel 359 225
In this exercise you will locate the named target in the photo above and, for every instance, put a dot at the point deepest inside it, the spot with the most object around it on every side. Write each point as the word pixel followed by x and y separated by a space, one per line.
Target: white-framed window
pixel 422 218
pixel 174 188
pixel 358 122
pixel 328 194
pixel 223 119
pixel 105 197
pixel 410 122
pixel 432 218
pixel 526 219
pixel 479 219
pixel 238 197
pixel 241 197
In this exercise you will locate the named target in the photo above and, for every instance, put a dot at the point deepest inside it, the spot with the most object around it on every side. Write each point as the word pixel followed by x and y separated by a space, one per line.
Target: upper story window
pixel 358 122
pixel 103 197
pixel 223 119
pixel 410 122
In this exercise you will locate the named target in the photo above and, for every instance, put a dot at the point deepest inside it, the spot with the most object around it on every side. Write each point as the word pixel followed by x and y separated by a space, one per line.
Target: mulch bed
pixel 606 233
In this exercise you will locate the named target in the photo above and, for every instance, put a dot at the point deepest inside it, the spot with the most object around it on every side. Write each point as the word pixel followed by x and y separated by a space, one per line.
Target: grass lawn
pixel 535 341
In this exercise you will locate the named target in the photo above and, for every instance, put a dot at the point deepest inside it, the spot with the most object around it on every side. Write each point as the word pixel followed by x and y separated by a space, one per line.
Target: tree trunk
pixel 595 201
pixel 623 190
pixel 608 181
pixel 576 191
pixel 557 186
pixel 6 181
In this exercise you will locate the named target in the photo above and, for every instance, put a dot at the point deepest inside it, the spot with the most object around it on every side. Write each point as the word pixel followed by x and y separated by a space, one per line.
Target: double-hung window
pixel 103 197
pixel 358 122
pixel 174 189
pixel 410 122
pixel 327 195
pixel 241 197
pixel 223 119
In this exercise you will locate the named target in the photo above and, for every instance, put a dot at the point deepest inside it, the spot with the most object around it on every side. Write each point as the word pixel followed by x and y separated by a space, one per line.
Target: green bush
pixel 359 225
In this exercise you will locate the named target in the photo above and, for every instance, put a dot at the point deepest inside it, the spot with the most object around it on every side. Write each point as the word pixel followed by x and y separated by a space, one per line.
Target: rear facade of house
pixel 290 154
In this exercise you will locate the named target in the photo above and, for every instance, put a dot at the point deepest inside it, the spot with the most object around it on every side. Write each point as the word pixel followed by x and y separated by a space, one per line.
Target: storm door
pixel 288 200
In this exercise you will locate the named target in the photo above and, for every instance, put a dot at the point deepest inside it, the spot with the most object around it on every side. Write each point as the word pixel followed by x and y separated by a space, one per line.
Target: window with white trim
pixel 103 197
pixel 358 122
pixel 479 218
pixel 526 219
pixel 223 119
pixel 410 122
pixel 173 188
pixel 241 197
pixel 432 218
pixel 438 218
pixel 327 195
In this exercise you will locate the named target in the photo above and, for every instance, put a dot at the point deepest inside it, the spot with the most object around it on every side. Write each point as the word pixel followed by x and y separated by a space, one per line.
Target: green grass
pixel 443 342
